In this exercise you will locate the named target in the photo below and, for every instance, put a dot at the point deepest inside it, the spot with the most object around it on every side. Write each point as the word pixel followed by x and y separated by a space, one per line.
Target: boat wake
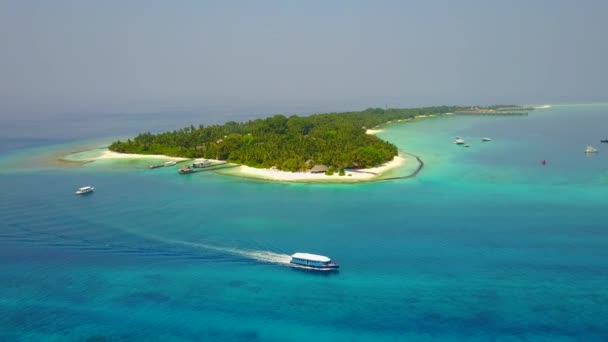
pixel 261 256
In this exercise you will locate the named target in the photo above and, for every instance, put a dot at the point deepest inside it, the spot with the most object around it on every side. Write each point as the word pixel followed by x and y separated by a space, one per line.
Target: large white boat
pixel 313 261
pixel 459 141
pixel 201 163
pixel 85 190
pixel 591 149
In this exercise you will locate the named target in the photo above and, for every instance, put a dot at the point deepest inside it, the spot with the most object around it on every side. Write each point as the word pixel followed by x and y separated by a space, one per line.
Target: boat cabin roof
pixel 311 257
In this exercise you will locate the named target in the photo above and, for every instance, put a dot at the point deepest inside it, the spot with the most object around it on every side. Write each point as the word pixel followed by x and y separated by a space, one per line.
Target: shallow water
pixel 485 244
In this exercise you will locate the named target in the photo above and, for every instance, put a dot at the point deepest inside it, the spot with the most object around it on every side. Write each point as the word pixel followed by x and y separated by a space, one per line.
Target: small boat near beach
pixel 313 262
pixel 459 141
pixel 591 149
pixel 84 190
pixel 186 170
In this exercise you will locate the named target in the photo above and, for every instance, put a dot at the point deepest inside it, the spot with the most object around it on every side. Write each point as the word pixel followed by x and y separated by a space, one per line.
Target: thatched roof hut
pixel 319 169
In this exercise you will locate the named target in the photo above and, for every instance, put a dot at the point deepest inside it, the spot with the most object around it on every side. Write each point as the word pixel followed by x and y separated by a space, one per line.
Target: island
pixel 315 145
pixel 496 110
pixel 294 143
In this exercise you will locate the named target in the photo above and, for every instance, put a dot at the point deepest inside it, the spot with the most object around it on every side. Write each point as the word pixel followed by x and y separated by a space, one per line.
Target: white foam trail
pixel 263 256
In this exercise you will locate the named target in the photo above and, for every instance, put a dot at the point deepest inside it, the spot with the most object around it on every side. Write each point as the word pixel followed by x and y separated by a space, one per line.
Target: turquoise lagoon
pixel 485 244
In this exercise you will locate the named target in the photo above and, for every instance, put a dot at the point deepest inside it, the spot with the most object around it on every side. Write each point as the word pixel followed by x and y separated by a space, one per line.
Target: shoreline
pixel 351 175
pixel 107 154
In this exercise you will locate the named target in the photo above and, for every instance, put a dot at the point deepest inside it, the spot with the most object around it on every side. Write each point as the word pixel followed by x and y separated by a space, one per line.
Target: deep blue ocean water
pixel 485 244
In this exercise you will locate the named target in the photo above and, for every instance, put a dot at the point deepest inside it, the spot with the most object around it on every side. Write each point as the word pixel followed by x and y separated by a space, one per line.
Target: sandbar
pixel 107 154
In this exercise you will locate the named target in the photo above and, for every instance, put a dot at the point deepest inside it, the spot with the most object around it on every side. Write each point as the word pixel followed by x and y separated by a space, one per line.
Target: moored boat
pixel 459 141
pixel 604 140
pixel 84 190
pixel 201 163
pixel 486 139
pixel 313 261
pixel 186 170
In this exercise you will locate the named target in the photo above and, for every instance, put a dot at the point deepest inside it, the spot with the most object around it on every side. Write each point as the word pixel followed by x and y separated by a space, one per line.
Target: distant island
pixel 332 141
pixel 496 110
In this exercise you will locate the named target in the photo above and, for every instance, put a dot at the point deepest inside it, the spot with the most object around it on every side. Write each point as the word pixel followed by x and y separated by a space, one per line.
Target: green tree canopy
pixel 293 143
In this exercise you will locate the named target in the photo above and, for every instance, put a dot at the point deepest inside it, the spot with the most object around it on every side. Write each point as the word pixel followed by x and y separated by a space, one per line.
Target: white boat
pixel 313 261
pixel 486 139
pixel 591 149
pixel 169 163
pixel 85 190
pixel 201 163
pixel 458 141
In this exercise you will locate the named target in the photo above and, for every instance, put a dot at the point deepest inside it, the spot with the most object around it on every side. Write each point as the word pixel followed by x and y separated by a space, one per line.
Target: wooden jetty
pixel 188 169
pixel 167 164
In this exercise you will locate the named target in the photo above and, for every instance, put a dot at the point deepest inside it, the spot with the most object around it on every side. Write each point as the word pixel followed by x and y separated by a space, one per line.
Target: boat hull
pixel 331 267
pixel 84 192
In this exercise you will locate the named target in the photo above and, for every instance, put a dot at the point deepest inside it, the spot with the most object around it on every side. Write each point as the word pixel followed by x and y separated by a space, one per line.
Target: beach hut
pixel 319 169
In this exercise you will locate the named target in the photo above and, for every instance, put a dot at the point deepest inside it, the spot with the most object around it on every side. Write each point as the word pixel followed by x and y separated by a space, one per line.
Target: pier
pixel 156 166
pixel 224 165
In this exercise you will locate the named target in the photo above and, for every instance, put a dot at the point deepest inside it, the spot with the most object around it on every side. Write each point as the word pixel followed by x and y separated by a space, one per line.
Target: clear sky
pixel 140 56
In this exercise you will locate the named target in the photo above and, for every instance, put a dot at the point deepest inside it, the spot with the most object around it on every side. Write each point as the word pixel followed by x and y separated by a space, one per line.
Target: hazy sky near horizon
pixel 140 56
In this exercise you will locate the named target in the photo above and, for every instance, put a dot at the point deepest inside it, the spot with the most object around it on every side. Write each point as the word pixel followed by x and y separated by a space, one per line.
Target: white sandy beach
pixel 352 175
pixel 374 131
pixel 378 130
pixel 107 154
